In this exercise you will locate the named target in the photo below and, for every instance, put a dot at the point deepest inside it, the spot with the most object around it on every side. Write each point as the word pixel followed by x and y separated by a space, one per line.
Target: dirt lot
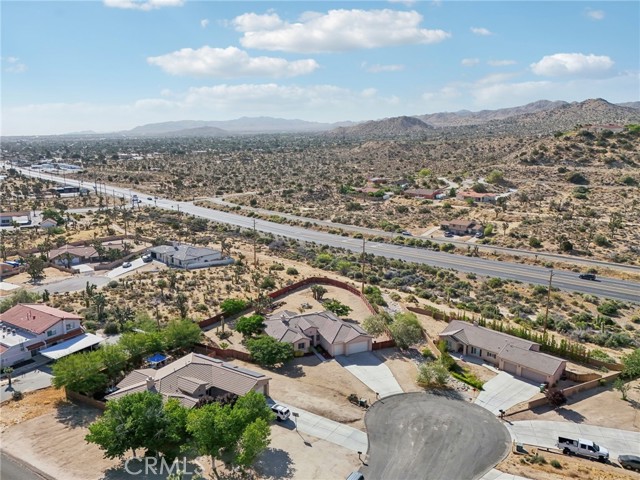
pixel 319 387
pixel 50 275
pixel 570 467
pixel 403 368
pixel 587 407
pixel 48 432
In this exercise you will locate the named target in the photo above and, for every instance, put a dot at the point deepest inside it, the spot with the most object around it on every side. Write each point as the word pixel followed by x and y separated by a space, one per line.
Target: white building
pixel 187 256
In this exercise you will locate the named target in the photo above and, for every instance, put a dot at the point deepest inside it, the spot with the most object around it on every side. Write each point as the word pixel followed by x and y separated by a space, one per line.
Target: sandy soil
pixel 587 407
pixel 32 405
pixel 571 467
pixel 321 388
pixel 298 456
pixel 50 275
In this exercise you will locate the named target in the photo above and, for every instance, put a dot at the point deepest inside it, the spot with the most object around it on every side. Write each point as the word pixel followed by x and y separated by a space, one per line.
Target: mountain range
pixel 539 117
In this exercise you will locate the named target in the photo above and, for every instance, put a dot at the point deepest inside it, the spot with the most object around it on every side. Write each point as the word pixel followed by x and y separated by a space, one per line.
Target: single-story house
pixel 186 256
pixel 21 218
pixel 27 328
pixel 192 377
pixel 462 227
pixel 512 354
pixel 68 255
pixel 477 197
pixel 422 193
pixel 378 180
pixel 48 223
pixel 304 330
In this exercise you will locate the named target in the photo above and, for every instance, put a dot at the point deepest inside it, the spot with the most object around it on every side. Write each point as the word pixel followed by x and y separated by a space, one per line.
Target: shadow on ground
pixel 274 463
pixel 153 469
pixel 74 416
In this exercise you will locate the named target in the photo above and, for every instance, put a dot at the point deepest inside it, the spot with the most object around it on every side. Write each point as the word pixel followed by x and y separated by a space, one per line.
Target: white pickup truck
pixel 582 447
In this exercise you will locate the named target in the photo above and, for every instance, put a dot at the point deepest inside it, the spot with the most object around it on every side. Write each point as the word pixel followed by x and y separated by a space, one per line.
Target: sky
pixel 69 66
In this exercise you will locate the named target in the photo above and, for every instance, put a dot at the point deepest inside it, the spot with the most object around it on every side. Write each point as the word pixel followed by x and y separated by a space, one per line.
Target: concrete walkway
pixel 311 424
pixel 544 433
pixel 370 370
pixel 504 391
pixel 494 474
pixel 28 382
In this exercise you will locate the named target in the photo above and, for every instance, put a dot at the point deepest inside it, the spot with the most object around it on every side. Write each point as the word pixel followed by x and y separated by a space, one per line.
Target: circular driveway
pixel 430 436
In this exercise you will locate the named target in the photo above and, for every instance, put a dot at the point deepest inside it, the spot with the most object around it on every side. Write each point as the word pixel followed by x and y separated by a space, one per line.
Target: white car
pixel 282 412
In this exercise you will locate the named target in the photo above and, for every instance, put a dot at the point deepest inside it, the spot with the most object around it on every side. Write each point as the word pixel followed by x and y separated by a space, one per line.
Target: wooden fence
pixel 617 367
pixel 80 398
pixel 211 351
pixel 383 344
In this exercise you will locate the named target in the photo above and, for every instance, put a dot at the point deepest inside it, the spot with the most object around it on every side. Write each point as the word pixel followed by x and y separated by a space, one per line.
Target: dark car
pixel 630 462
pixel 587 276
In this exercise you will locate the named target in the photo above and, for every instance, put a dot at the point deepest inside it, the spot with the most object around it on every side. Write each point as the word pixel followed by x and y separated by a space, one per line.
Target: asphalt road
pixel 604 287
pixel 427 436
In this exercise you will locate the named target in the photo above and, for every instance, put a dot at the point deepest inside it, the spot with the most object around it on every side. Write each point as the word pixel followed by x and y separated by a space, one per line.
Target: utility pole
pixel 363 262
pixel 255 254
pixel 546 313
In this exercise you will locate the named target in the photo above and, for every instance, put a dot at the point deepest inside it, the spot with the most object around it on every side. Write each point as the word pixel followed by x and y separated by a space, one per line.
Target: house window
pixel 69 326
pixel 301 346
pixel 491 355
pixel 51 333
pixel 476 351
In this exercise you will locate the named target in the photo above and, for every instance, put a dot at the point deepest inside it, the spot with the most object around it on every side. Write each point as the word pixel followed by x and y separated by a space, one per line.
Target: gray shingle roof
pixel 183 251
pixel 484 338
pixel 540 362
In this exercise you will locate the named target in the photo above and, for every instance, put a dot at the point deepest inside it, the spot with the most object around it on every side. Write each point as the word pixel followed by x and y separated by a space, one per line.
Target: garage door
pixel 338 350
pixel 510 368
pixel 532 375
pixel 357 347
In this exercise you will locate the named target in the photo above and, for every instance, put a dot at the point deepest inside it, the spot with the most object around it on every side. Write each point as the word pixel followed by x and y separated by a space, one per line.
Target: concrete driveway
pixel 119 271
pixel 426 435
pixel 504 391
pixel 368 368
pixel 36 379
pixel 545 434
pixel 325 429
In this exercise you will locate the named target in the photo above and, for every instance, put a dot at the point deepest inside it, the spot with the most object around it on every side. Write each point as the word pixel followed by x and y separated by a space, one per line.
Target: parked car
pixel 479 235
pixel 149 198
pixel 630 462
pixel 448 234
pixel 282 412
pixel 147 258
pixel 582 447
pixel 587 276
pixel 126 264
pixel 408 234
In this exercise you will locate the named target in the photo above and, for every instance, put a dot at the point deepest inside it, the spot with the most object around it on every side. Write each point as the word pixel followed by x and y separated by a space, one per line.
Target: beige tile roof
pixel 187 373
pixel 540 362
pixel 482 337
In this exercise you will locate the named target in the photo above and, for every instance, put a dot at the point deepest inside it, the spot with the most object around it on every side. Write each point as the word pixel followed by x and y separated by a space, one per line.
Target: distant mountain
pixel 244 125
pixel 629 104
pixel 196 132
pixel 388 127
pixel 465 117
pixel 564 117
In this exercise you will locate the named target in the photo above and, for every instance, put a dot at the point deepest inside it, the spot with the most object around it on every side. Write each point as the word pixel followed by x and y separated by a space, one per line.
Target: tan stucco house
pixel 191 377
pixel 335 335
pixel 512 354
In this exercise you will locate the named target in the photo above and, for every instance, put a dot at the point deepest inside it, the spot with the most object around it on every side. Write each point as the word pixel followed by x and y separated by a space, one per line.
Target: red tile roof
pixel 35 318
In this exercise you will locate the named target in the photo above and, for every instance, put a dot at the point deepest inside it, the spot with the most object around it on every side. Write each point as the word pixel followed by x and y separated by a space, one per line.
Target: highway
pixel 605 287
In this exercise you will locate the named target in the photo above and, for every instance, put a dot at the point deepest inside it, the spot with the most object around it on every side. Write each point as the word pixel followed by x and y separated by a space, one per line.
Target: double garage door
pixel 525 373
pixel 358 347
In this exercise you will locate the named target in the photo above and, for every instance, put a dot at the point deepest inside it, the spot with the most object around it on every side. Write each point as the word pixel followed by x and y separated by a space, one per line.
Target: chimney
pixel 150 383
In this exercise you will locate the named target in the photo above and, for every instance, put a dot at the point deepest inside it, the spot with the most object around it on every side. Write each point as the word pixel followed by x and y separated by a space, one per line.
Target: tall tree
pixel 81 373
pixel 182 334
pixel 35 268
pixel 100 302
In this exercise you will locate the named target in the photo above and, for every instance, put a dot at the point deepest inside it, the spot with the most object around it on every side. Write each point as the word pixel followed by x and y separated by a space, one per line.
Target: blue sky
pixel 114 64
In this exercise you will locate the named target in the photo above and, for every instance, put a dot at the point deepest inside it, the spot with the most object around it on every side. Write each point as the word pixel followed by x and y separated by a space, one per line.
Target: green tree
pixel 19 296
pixel 81 373
pixel 337 307
pixel 140 420
pixel 136 346
pixel 318 292
pixel 113 359
pixel 495 176
pixel 622 387
pixel 267 351
pixel 405 330
pixel 615 223
pixel 631 365
pixel 377 324
pixel 182 304
pixel 251 325
pixel 432 373
pixel 123 315
pixel 231 306
pixel 161 284
pixel 8 371
pixel 99 302
pixel 35 268
pixel 182 334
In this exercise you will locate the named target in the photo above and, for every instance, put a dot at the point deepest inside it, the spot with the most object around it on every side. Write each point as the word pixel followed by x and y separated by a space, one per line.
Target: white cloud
pixel 563 64
pixel 408 3
pixel 481 31
pixel 378 68
pixel 494 78
pixel 14 65
pixel 204 23
pixel 335 31
pixel 595 14
pixel 470 62
pixel 144 5
pixel 501 63
pixel 229 62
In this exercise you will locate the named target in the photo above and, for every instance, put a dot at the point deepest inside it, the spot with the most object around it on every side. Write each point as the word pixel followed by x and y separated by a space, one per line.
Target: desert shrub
pixel 111 328
pixel 609 308
pixel 577 178
pixel 601 241
pixel 292 271
pixel 231 306
pixel 90 325
pixel 427 353
pixel 268 283
pixel 113 284
pixel 534 242
pixel 555 464
pixel 17 395
pixel 276 267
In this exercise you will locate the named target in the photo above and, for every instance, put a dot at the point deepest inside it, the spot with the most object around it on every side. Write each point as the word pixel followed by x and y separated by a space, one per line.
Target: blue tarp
pixel 156 358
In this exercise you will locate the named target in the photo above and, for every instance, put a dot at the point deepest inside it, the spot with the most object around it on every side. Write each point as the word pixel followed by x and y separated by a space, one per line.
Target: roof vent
pixel 13 331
